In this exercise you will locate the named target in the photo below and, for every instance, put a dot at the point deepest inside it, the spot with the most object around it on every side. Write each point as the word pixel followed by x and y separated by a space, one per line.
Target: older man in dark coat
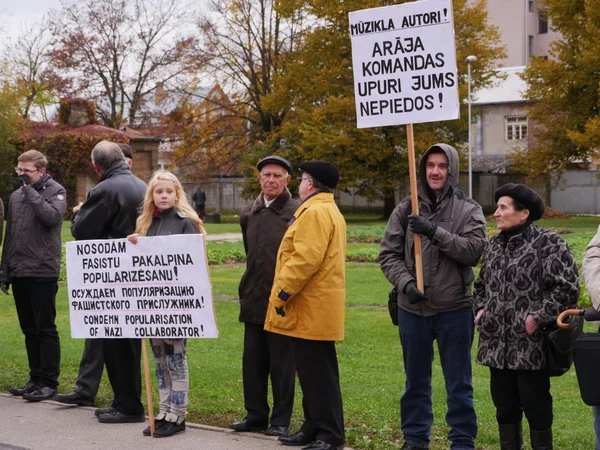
pixel 264 223
pixel 110 212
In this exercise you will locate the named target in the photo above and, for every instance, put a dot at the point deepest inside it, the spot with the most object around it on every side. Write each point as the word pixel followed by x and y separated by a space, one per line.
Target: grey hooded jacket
pixel 448 259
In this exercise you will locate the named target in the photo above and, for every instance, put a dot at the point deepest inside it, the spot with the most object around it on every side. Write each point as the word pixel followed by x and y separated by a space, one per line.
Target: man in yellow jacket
pixel 307 303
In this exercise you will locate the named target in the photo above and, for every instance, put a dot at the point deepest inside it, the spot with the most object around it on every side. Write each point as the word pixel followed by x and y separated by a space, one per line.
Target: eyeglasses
pixel 25 171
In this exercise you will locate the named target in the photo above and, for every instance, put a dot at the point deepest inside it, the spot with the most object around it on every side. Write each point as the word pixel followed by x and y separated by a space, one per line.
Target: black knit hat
pixel 274 159
pixel 322 171
pixel 524 195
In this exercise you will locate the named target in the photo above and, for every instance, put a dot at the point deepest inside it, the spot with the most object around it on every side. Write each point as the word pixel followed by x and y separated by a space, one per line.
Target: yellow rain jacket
pixel 311 269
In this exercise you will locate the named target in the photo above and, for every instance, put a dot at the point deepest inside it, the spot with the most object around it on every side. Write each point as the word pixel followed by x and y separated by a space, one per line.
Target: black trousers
pixel 91 367
pixel 268 353
pixel 317 366
pixel 122 358
pixel 515 392
pixel 35 300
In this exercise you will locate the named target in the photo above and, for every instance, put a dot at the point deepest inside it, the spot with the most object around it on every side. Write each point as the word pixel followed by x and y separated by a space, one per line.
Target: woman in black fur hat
pixel 512 302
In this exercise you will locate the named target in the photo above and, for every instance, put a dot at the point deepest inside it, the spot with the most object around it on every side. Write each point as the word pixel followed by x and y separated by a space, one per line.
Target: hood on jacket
pixel 453 170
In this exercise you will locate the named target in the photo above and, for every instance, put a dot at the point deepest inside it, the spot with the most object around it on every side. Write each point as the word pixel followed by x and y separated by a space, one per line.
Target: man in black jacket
pixel 31 264
pixel 264 223
pixel 91 365
pixel 110 212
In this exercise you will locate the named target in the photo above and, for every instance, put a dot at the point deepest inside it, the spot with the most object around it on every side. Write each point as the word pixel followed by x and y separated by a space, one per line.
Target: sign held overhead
pixel 404 63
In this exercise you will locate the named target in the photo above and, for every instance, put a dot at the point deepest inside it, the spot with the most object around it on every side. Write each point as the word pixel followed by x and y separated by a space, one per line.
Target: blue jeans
pixel 596 411
pixel 454 334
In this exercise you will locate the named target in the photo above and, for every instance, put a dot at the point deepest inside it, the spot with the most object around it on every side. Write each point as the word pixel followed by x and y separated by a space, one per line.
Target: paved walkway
pixel 49 425
pixel 225 237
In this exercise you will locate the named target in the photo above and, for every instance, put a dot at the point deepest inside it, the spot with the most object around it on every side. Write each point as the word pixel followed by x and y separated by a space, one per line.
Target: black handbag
pixel 559 346
pixel 558 341
pixel 393 305
pixel 586 355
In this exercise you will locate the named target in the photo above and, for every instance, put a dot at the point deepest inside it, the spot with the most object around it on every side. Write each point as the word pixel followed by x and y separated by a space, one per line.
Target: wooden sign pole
pixel 148 387
pixel 412 168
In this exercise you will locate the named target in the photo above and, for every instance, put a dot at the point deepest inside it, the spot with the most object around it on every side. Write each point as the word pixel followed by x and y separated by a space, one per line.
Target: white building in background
pixel 501 123
pixel 524 29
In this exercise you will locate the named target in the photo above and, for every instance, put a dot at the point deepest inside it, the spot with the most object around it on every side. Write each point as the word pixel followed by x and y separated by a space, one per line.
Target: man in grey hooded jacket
pixel 453 232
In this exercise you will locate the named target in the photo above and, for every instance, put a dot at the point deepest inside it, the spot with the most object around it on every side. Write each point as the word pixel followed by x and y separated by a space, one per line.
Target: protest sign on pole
pixel 157 288
pixel 404 64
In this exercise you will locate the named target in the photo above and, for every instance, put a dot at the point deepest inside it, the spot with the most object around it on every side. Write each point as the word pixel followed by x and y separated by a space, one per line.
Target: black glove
pixel 590 315
pixel 420 225
pixel 24 179
pixel 280 311
pixel 4 287
pixel 413 293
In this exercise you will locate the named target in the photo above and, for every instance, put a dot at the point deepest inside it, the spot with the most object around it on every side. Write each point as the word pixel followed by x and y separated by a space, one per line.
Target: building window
pixel 516 128
pixel 530 47
pixel 543 22
pixel 530 5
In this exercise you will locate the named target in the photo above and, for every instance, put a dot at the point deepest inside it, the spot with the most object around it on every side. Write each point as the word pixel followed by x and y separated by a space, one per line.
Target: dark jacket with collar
pixel 111 207
pixel 262 230
pixel 509 289
pixel 448 259
pixel 32 245
pixel 171 221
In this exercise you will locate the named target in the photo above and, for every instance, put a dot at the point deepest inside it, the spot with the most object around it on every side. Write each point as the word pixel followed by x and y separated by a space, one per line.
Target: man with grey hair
pixel 110 212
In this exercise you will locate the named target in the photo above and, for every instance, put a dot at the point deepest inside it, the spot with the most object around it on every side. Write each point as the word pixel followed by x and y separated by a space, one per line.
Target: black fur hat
pixel 322 171
pixel 524 195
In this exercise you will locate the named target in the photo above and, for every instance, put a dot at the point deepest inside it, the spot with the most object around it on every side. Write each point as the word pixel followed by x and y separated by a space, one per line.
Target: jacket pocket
pixel 287 322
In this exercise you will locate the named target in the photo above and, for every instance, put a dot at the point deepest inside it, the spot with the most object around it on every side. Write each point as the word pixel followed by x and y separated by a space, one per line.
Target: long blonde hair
pixel 181 203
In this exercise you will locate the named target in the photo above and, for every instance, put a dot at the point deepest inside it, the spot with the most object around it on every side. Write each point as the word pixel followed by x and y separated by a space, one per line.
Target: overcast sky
pixel 15 13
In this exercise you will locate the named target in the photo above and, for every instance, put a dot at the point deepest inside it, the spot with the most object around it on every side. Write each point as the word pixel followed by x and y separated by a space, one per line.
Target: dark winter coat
pixel 262 230
pixel 32 245
pixel 111 207
pixel 171 221
pixel 448 258
pixel 508 289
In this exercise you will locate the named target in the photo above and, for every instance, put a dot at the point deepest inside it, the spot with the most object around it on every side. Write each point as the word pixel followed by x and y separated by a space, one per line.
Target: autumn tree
pixel 10 131
pixel 26 67
pixel 120 53
pixel 565 93
pixel 207 134
pixel 247 43
pixel 372 161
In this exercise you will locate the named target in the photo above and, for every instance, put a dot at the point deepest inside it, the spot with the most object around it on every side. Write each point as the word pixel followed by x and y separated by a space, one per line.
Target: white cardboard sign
pixel 157 288
pixel 404 63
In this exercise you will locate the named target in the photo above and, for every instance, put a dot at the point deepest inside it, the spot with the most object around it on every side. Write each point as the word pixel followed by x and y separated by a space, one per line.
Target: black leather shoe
pixel 248 425
pixel 277 430
pixel 43 393
pixel 74 398
pixel 157 424
pixel 169 429
pixel 103 411
pixel 29 387
pixel 322 445
pixel 296 439
pixel 118 417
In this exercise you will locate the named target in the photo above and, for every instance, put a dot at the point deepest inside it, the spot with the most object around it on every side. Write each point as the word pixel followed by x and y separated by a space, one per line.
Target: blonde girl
pixel 166 211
